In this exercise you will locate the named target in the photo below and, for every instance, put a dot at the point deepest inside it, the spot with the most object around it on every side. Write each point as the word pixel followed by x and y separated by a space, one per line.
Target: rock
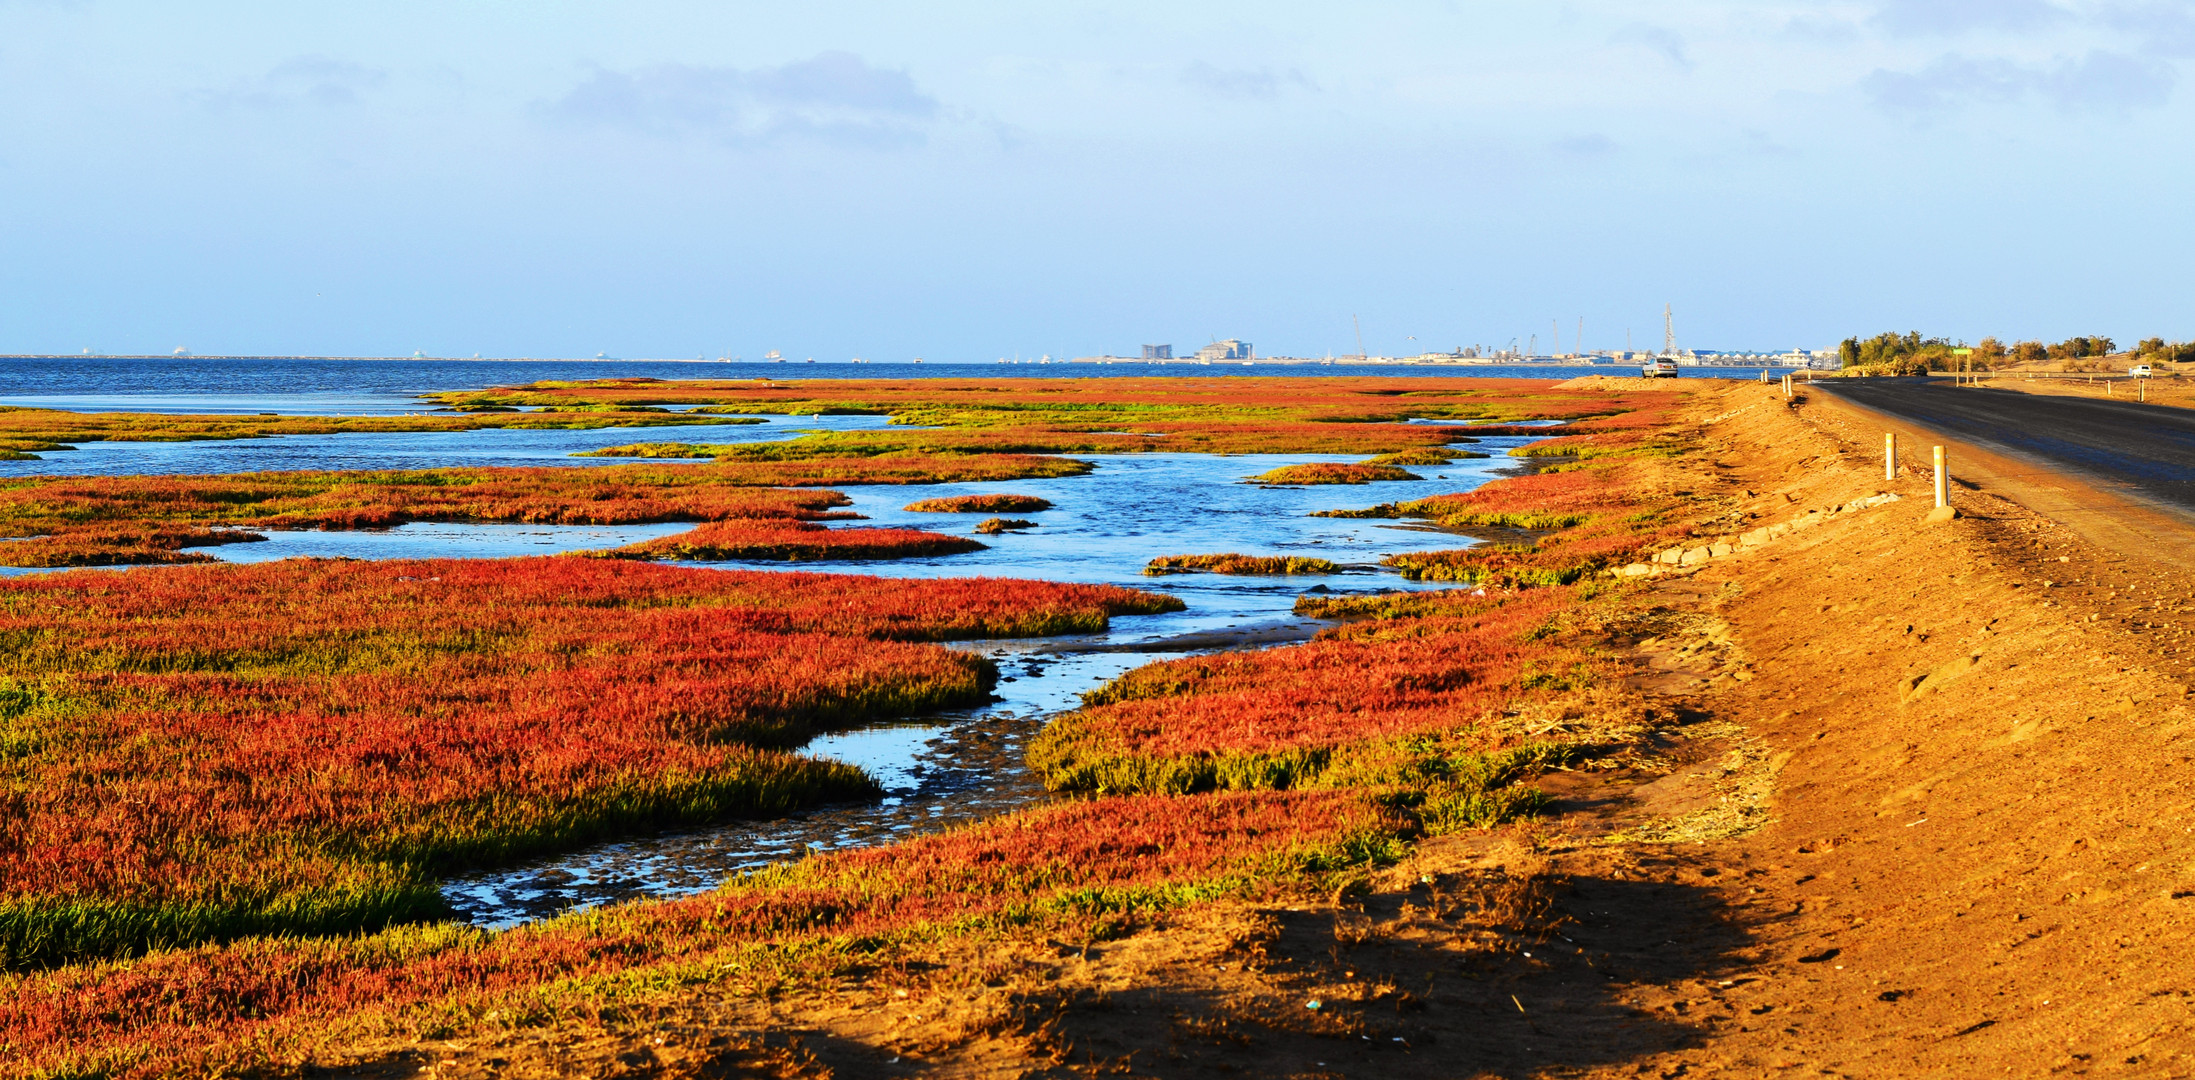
pixel 1778 530
pixel 1637 569
pixel 1694 557
pixel 1718 550
pixel 1672 556
pixel 1941 513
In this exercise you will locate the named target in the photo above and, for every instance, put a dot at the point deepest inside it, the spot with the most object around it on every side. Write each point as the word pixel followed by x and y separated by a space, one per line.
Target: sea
pixel 318 386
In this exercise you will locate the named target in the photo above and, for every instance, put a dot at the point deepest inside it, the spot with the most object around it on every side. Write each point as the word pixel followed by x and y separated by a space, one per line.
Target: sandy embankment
pixel 1963 749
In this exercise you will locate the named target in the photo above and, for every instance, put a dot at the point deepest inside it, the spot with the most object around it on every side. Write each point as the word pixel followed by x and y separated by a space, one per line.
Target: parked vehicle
pixel 2139 371
pixel 1661 367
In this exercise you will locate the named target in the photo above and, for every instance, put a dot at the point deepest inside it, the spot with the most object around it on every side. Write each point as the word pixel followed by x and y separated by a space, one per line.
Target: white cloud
pixel 305 80
pixel 2102 80
pixel 1915 17
pixel 832 96
pixel 2162 27
pixel 1258 83
pixel 1660 39
pixel 1586 146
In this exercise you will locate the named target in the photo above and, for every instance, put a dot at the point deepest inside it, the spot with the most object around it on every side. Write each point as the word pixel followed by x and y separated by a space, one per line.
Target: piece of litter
pixel 1312 1004
pixel 1910 824
pixel 1520 1005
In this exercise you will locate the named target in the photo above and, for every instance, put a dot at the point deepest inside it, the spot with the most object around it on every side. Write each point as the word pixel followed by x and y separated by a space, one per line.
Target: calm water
pixel 384 387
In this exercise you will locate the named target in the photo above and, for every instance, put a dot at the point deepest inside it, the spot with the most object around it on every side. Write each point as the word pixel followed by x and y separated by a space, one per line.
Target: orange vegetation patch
pixel 195 753
pixel 214 1009
pixel 1444 663
pixel 1335 473
pixel 1595 517
pixel 980 504
pixel 796 541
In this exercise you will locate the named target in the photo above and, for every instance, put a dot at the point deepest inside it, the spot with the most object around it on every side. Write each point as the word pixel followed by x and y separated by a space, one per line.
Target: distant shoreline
pixel 1280 361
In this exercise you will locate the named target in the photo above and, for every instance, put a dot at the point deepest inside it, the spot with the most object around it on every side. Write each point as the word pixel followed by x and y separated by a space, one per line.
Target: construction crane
pixel 1360 335
pixel 1668 332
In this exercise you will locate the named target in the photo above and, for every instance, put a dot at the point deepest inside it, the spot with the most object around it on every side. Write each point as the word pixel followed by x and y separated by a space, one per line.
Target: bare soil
pixel 1927 810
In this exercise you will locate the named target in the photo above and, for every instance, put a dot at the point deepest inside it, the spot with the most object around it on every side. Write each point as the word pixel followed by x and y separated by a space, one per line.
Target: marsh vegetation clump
pixel 795 541
pixel 994 526
pixel 1241 565
pixel 1430 455
pixel 980 504
pixel 1335 473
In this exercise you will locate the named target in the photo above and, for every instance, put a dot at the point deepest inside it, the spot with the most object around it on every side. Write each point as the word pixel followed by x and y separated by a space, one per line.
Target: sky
pixel 966 181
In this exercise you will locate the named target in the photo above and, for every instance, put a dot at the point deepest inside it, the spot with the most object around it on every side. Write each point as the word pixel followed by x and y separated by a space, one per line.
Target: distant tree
pixel 1894 354
pixel 2029 352
pixel 2160 351
pixel 1988 355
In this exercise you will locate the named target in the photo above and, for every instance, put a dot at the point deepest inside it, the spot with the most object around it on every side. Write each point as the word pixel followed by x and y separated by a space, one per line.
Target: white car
pixel 2139 371
pixel 1659 368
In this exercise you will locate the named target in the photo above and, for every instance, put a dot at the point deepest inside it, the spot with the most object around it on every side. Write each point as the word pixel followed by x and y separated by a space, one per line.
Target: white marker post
pixel 1890 455
pixel 1943 481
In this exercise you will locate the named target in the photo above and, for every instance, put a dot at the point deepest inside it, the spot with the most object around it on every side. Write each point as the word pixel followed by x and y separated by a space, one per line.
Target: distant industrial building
pixel 1229 349
pixel 1158 352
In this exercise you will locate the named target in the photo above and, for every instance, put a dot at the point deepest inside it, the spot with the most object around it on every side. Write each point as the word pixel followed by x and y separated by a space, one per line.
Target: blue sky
pixel 966 181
